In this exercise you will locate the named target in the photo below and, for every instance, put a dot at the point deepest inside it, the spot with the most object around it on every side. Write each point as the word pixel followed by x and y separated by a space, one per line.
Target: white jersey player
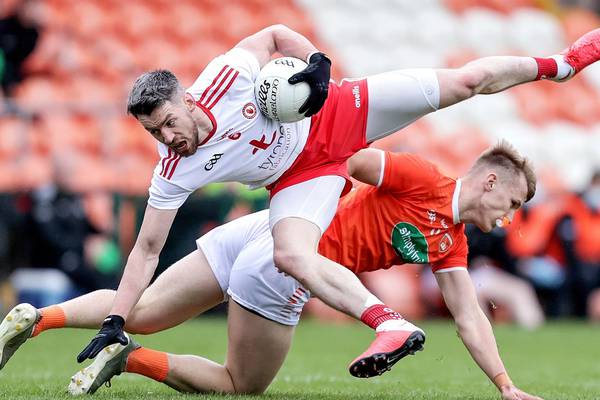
pixel 242 146
pixel 304 197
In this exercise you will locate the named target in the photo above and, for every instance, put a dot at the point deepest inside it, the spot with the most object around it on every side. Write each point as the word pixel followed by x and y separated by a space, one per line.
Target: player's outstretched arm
pixel 138 272
pixel 476 332
pixel 280 38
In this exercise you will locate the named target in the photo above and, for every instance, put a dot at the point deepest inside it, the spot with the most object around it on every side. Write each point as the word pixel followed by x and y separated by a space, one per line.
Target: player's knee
pixel 292 263
pixel 249 388
pixel 138 323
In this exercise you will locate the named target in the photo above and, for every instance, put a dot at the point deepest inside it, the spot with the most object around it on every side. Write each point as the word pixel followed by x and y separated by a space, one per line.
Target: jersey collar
pixel 212 119
pixel 455 209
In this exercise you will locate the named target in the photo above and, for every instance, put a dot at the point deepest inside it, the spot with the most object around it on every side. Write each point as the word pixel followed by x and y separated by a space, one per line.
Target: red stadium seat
pixel 14 137
pixel 124 135
pixel 79 132
pixel 577 22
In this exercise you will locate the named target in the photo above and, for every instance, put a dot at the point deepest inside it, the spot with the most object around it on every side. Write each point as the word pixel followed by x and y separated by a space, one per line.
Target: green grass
pixel 560 361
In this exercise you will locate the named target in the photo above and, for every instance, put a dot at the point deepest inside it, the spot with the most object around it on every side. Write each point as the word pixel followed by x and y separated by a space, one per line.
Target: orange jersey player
pixel 413 214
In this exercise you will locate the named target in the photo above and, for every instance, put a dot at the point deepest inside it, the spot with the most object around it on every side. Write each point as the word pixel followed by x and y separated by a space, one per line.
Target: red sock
pixel 547 68
pixel 51 318
pixel 151 363
pixel 378 313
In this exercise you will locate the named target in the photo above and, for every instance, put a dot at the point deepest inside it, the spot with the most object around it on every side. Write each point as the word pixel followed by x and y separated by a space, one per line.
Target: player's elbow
pixel 468 319
pixel 148 246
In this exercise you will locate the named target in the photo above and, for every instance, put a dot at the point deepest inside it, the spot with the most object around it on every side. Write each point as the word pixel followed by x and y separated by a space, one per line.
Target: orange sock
pixel 51 317
pixel 151 363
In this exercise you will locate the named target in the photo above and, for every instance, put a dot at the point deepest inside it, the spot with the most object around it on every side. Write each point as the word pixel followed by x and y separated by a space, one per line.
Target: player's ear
pixel 189 102
pixel 491 181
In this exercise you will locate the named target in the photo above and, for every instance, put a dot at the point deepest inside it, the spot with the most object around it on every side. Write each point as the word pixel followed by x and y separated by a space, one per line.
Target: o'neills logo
pixel 356 93
pixel 267 97
pixel 410 244
pixel 263 91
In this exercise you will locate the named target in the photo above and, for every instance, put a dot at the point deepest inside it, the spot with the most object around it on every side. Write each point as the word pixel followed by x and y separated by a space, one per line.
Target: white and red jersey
pixel 244 145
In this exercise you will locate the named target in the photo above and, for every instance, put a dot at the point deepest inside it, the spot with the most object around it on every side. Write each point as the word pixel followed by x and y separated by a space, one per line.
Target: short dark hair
pixel 151 90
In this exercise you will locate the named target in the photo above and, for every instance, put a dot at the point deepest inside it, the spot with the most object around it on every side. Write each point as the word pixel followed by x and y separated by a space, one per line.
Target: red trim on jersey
pixel 219 87
pixel 169 170
pixel 168 159
pixel 174 166
pixel 213 83
pixel 163 162
pixel 212 119
pixel 225 90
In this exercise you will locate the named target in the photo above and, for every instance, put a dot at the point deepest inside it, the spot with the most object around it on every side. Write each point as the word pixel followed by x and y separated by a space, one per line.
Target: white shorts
pixel 396 99
pixel 315 200
pixel 240 254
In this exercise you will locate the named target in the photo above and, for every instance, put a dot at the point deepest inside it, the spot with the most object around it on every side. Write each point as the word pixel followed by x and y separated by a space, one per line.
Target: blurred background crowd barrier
pixel 75 169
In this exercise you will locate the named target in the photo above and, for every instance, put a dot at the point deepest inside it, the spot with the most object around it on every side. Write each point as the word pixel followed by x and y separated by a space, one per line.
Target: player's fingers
pixel 316 107
pixel 98 346
pixel 297 78
pixel 94 350
pixel 306 104
pixel 85 352
pixel 122 339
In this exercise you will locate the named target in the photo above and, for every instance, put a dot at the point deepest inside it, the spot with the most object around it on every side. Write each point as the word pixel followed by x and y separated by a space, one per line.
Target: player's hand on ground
pixel 316 74
pixel 110 333
pixel 511 392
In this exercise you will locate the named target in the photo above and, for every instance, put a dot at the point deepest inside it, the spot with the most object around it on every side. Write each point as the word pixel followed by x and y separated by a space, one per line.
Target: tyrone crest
pixel 249 111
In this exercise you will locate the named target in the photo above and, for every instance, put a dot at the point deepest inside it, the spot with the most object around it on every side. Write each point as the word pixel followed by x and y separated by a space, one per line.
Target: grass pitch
pixel 559 361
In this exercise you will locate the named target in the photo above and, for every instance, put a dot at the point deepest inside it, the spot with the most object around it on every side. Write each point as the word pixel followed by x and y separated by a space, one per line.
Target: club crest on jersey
pixel 249 111
pixel 445 243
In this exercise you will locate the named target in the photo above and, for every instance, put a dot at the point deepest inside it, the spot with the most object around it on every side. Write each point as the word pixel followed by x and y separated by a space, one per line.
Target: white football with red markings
pixel 276 98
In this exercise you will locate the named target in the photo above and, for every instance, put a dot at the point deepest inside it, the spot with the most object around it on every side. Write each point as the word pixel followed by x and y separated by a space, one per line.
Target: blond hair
pixel 504 155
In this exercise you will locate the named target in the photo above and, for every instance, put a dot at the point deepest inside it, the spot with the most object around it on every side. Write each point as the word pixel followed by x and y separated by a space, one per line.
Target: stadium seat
pixel 14 137
pixel 124 135
pixel 484 31
pixel 534 32
pixel 32 171
pixel 79 132
pixel 578 21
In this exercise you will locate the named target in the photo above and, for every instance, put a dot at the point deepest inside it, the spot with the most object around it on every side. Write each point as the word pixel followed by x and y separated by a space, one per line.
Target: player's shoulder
pixel 237 63
pixel 413 169
pixel 411 160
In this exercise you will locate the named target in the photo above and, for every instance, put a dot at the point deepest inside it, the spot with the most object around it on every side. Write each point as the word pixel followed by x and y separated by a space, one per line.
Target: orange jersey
pixel 412 217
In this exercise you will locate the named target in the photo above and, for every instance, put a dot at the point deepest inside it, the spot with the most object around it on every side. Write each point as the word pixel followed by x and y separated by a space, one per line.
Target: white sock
pixel 565 70
pixel 396 325
pixel 371 301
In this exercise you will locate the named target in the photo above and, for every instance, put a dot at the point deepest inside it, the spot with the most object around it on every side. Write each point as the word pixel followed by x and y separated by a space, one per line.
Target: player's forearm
pixel 136 278
pixel 477 335
pixel 290 43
